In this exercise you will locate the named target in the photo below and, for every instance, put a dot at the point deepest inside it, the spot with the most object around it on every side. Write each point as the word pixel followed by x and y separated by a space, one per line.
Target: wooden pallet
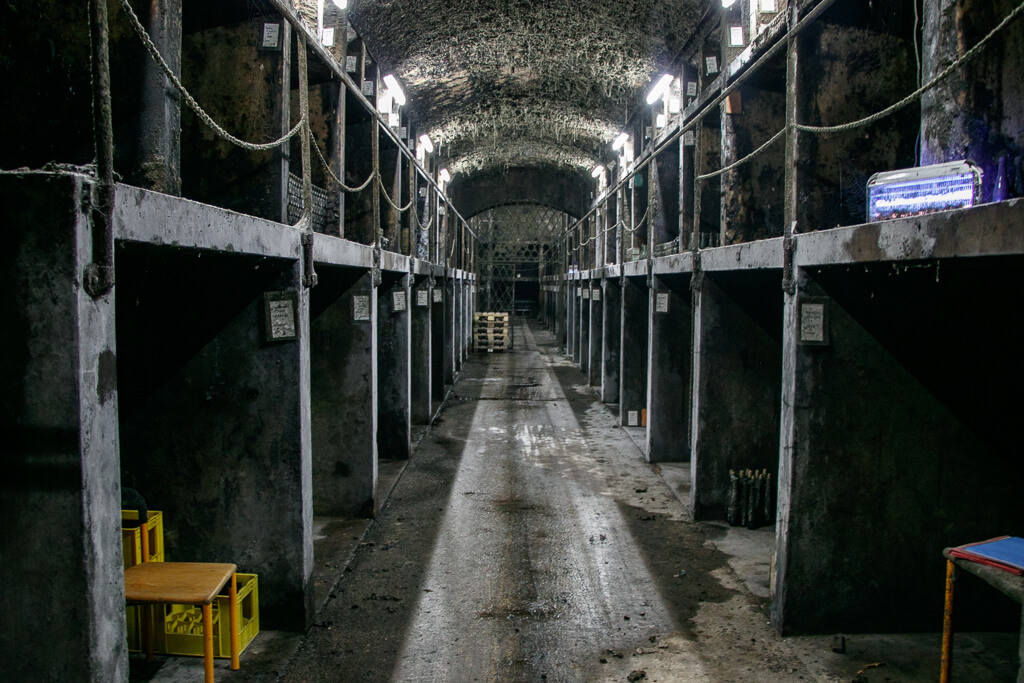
pixel 490 331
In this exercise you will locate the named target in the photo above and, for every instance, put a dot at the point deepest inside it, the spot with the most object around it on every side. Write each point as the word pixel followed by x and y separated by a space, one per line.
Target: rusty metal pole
pixel 99 275
pixel 947 625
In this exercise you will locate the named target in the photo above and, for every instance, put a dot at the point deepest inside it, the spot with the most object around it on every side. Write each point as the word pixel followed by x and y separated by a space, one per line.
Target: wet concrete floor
pixel 527 540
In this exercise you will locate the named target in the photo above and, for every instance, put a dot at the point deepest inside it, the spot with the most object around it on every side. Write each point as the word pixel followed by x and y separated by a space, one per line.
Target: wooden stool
pixel 187 583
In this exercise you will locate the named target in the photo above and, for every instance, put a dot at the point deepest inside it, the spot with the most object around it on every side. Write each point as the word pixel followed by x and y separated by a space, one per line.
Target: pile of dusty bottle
pixel 751 501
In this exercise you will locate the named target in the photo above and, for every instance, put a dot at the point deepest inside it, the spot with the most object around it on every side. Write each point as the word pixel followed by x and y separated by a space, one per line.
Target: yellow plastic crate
pixel 131 538
pixel 179 630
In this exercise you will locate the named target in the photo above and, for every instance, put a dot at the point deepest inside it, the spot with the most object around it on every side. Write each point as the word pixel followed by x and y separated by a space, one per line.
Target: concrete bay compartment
pixel 633 356
pixel 899 439
pixel 669 367
pixel 214 410
pixel 737 383
pixel 394 338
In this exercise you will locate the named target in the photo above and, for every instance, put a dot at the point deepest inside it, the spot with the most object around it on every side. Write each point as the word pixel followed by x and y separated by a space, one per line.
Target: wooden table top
pixel 189 583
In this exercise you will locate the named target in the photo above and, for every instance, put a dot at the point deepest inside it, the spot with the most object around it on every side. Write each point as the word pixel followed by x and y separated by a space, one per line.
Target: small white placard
pixel 360 308
pixel 422 298
pixel 398 300
pixel 586 293
pixel 282 319
pixel 351 64
pixel 691 89
pixel 367 88
pixel 438 296
pixel 579 292
pixel 768 6
pixel 271 36
pixel 633 418
pixel 735 36
pixel 403 132
pixel 688 138
pixel 661 302
pixel 812 323
pixel 712 64
pixel 328 37
pixel 596 296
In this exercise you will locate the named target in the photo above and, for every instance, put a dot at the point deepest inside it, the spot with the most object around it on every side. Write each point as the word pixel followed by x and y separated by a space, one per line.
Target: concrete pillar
pixel 438 361
pixel 559 301
pixel 394 340
pixel 583 348
pixel 215 414
pixel 596 346
pixel 633 375
pixel 570 317
pixel 459 323
pixel 450 330
pixel 343 370
pixel 420 352
pixel 62 613
pixel 160 113
pixel 736 384
pixel 611 337
pixel 668 370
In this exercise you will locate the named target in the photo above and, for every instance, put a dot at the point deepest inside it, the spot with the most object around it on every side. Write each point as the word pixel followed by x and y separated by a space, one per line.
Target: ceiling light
pixel 444 175
pixel 620 141
pixel 341 4
pixel 598 171
pixel 428 146
pixel 395 89
pixel 659 89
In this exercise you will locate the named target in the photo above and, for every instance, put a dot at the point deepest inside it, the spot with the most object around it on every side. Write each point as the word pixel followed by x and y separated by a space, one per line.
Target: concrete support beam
pixel 420 352
pixel 633 375
pixel 59 489
pixel 394 339
pixel 736 384
pixel 343 345
pixel 215 414
pixel 611 340
pixel 595 350
pixel 668 370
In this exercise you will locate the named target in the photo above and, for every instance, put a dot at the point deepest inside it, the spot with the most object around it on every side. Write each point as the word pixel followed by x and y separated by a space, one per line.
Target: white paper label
pixel 633 418
pixel 712 64
pixel 579 292
pixel 812 322
pixel 438 296
pixel 688 138
pixel 661 302
pixel 735 36
pixel 360 308
pixel 398 300
pixel 367 88
pixel 691 89
pixel 422 297
pixel 586 293
pixel 282 319
pixel 271 36
pixel 351 64
pixel 328 37
pixel 767 5
pixel 596 296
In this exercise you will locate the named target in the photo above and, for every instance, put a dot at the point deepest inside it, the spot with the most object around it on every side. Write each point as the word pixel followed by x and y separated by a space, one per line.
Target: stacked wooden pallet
pixel 490 332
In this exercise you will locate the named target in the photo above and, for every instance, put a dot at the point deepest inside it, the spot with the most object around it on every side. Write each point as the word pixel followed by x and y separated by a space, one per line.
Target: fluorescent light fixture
pixel 620 141
pixel 598 171
pixel 444 175
pixel 660 88
pixel 428 146
pixel 395 89
pixel 341 4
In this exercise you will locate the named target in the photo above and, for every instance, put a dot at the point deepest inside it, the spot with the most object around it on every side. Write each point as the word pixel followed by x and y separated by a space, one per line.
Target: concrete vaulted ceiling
pixel 527 91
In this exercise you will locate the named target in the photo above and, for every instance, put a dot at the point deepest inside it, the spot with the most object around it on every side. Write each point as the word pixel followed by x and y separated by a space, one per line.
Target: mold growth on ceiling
pixel 542 84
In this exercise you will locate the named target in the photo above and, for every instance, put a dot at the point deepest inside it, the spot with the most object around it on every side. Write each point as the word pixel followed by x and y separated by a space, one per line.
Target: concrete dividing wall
pixel 895 444
pixel 611 340
pixel 583 348
pixel 343 374
pixel 215 418
pixel 668 371
pixel 394 437
pixel 596 334
pixel 62 608
pixel 420 354
pixel 633 375
pixel 736 384
pixel 438 361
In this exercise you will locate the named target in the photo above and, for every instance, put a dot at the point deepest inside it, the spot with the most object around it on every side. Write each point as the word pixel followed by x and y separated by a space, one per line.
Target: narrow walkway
pixel 527 540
